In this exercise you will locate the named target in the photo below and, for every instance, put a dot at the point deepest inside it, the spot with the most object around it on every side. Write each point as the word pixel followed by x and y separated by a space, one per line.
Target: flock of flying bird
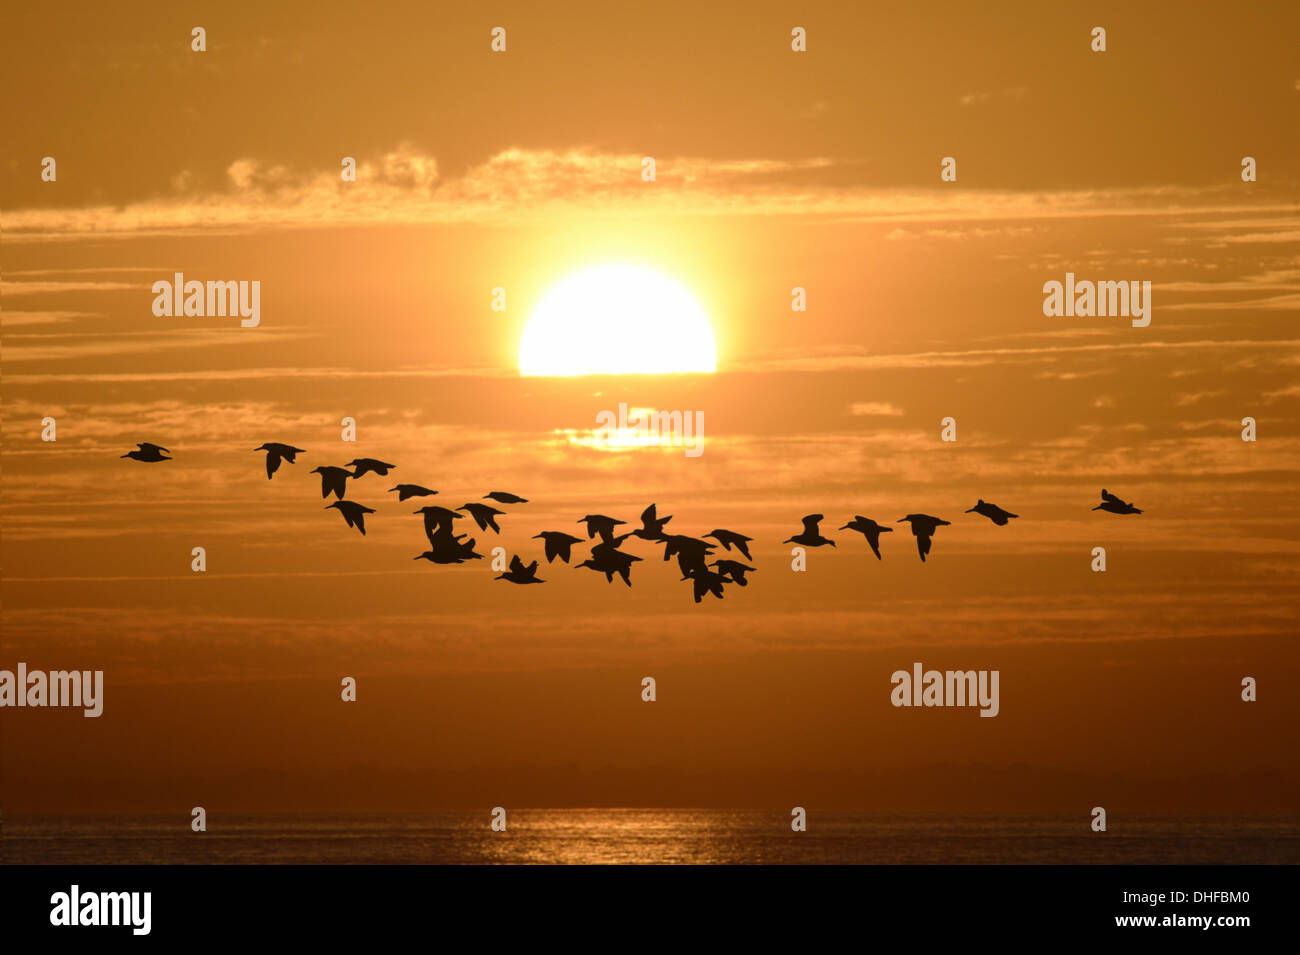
pixel 693 553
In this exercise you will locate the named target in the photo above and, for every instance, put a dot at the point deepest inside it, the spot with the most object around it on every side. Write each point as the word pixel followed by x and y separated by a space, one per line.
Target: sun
pixel 617 320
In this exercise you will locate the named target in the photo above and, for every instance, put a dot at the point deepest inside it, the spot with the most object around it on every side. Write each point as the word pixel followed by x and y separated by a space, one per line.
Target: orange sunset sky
pixel 775 169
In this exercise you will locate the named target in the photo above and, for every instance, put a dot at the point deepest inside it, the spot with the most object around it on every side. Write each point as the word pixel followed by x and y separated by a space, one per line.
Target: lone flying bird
pixel 148 452
pixel 599 524
pixel 484 515
pixel 729 538
pixel 558 544
pixel 275 453
pixel 505 497
pixel 733 569
pixel 652 525
pixel 410 490
pixel 519 574
pixel 992 512
pixel 353 513
pixel 868 529
pixel 923 527
pixel 811 536
pixel 1115 504
pixel 362 466
pixel 333 479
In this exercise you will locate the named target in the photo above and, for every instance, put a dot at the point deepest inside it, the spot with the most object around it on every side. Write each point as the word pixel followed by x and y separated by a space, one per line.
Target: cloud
pixel 519 185
pixel 1191 398
pixel 849 359
pixel 1016 93
pixel 874 409
pixel 12 319
pixel 1272 303
pixel 15 289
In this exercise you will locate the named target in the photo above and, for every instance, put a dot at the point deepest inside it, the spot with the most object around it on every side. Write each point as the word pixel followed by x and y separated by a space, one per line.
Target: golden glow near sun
pixel 616 320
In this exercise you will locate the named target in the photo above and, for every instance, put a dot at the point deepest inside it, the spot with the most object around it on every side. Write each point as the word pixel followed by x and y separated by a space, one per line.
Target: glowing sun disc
pixel 617 320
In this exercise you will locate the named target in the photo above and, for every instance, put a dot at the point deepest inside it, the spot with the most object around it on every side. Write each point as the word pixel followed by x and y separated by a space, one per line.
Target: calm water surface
pixel 676 836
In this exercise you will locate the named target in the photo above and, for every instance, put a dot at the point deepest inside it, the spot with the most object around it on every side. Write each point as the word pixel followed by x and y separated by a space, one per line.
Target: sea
pixel 649 836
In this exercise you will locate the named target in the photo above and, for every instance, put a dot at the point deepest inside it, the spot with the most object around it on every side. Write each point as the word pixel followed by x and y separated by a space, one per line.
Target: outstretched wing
pixel 430 528
pixel 338 483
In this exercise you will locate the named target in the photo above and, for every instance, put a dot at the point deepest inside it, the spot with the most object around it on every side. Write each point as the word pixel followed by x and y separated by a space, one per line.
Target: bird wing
pixel 430 527
pixel 810 523
pixel 272 463
pixel 1111 498
pixel 517 565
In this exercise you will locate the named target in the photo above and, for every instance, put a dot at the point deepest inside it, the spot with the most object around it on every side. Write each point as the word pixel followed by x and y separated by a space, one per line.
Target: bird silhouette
pixel 353 513
pixel 599 524
pixel 437 523
pixel 729 539
pixel 445 545
pixel 410 490
pixel 1115 504
pixel 361 466
pixel 992 512
pixel 333 479
pixel 558 544
pixel 923 527
pixel 148 453
pixel 868 529
pixel 519 574
pixel 484 515
pixel 733 569
pixel 275 453
pixel 707 582
pixel 453 552
pixel 608 560
pixel 652 525
pixel 691 552
pixel 505 497
pixel 811 535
